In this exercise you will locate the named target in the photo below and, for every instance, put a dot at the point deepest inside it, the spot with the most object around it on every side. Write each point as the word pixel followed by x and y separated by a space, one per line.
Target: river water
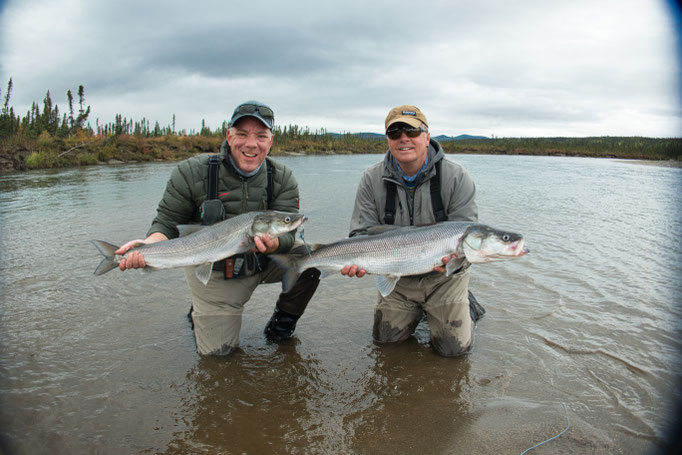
pixel 583 332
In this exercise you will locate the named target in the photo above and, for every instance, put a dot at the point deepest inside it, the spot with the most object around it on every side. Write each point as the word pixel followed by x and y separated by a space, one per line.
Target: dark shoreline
pixel 22 154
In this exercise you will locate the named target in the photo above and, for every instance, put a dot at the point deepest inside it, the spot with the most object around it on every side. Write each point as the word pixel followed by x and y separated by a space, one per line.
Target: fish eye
pixel 287 219
pixel 505 237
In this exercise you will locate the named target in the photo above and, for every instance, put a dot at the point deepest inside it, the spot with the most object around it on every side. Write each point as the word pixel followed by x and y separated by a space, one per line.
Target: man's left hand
pixel 446 259
pixel 266 245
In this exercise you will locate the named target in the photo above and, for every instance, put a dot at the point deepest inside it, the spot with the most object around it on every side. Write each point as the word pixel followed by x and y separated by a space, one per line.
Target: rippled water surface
pixel 585 330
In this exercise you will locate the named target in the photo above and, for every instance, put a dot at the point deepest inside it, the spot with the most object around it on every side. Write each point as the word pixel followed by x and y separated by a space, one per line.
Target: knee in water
pixel 450 346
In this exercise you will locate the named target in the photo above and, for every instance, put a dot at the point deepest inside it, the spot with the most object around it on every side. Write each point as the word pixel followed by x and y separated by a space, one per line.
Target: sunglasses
pixel 396 133
pixel 251 108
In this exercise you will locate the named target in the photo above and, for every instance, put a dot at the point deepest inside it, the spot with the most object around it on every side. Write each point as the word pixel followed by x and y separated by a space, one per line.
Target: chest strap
pixel 213 172
pixel 436 198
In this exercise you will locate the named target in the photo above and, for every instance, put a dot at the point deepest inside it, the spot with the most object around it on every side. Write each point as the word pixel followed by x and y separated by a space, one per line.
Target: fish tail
pixel 107 250
pixel 290 265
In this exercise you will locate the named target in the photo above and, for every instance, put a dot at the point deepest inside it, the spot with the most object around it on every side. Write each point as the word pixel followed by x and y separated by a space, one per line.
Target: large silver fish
pixel 201 246
pixel 393 251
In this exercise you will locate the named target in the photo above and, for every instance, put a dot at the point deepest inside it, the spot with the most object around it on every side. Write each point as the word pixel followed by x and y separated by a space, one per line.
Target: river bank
pixel 45 152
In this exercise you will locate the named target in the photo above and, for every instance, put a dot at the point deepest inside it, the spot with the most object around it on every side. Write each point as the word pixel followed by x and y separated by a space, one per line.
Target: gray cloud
pixel 529 68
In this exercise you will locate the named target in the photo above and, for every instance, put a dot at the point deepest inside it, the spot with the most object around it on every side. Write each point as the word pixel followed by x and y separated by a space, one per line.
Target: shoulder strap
pixel 213 170
pixel 271 176
pixel 436 198
pixel 389 209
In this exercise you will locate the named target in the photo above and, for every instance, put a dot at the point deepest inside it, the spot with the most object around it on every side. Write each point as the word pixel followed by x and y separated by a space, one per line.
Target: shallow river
pixel 584 332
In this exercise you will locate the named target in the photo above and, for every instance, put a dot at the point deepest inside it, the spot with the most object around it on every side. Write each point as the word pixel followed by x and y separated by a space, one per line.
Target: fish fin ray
pixel 289 264
pixel 106 249
pixel 203 272
pixel 386 283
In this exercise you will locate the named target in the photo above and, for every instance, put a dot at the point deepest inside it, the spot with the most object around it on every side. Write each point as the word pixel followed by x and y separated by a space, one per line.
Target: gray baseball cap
pixel 254 109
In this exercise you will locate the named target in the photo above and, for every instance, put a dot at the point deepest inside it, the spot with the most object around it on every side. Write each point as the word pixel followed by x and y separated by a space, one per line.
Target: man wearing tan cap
pixel 416 185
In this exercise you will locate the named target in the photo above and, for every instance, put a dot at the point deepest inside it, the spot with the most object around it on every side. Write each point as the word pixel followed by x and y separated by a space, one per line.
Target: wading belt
pixel 212 210
pixel 436 199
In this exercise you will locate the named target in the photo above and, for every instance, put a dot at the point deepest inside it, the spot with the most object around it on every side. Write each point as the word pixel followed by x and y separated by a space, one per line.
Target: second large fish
pixel 393 252
pixel 200 246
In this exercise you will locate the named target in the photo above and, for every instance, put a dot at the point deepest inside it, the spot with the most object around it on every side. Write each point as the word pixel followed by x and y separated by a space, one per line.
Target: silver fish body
pixel 200 246
pixel 402 251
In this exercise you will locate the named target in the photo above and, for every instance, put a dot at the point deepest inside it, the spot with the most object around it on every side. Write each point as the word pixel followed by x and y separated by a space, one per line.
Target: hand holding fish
pixel 353 270
pixel 135 260
pixel 265 245
pixel 446 259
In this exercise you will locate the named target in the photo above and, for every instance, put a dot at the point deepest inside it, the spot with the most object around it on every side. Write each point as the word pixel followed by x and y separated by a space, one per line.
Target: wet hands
pixel 265 245
pixel 134 260
pixel 353 270
pixel 446 259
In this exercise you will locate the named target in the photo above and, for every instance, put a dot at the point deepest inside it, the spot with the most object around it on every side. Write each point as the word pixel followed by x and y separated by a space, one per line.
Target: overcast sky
pixel 488 67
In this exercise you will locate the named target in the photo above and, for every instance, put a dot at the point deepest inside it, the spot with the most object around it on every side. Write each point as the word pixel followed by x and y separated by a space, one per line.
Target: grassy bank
pixel 20 153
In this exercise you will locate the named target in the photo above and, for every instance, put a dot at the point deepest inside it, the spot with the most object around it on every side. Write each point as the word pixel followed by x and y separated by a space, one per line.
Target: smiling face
pixel 409 152
pixel 250 141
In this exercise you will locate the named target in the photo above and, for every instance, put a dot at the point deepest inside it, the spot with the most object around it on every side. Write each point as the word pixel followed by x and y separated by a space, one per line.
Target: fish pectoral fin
pixel 386 283
pixel 203 272
pixel 452 266
pixel 187 229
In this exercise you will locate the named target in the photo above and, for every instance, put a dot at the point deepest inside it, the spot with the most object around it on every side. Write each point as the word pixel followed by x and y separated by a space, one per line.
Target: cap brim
pixel 265 122
pixel 413 122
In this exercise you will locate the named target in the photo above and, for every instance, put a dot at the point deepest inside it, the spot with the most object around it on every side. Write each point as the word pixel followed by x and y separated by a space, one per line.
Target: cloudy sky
pixel 488 67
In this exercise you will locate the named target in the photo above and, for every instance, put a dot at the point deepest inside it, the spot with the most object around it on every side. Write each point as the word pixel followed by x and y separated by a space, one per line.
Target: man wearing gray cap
pixel 415 185
pixel 206 189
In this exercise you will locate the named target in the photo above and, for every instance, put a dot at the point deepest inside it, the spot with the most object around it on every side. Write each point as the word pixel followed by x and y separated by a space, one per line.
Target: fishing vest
pixel 436 198
pixel 212 211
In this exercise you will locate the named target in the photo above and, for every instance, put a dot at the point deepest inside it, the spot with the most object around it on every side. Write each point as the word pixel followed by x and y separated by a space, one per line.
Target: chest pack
pixel 212 211
pixel 436 198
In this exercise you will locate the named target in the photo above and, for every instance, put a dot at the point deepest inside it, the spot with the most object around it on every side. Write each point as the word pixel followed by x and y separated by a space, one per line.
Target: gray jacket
pixel 457 190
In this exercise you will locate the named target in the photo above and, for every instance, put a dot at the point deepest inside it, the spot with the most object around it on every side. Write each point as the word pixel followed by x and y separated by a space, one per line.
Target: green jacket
pixel 187 189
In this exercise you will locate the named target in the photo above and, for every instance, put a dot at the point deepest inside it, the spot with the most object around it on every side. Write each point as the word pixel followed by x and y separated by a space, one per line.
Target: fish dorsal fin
pixel 187 229
pixel 386 283
pixel 203 272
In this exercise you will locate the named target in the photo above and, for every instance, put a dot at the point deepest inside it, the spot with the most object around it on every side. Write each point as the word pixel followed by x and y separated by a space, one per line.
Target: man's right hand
pixel 135 260
pixel 353 270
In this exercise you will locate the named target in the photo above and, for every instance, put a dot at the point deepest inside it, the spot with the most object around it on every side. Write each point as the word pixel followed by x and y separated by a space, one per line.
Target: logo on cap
pixel 412 113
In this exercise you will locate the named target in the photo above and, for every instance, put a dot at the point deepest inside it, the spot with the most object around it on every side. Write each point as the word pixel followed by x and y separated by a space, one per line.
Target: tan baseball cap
pixel 406 114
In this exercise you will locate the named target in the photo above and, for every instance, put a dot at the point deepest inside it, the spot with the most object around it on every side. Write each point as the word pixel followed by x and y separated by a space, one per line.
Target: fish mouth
pixel 518 250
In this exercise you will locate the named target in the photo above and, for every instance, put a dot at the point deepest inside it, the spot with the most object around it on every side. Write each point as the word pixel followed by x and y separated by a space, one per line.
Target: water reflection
pixel 418 400
pixel 251 403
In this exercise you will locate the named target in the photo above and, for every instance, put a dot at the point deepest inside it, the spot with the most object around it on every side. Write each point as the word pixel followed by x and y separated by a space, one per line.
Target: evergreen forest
pixel 47 137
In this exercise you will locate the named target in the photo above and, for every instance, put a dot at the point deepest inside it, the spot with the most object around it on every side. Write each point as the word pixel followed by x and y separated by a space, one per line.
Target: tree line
pixel 49 137
pixel 49 119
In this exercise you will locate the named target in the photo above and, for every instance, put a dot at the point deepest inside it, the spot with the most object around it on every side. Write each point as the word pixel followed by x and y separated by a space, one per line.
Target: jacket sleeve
pixel 286 200
pixel 176 205
pixel 365 211
pixel 462 205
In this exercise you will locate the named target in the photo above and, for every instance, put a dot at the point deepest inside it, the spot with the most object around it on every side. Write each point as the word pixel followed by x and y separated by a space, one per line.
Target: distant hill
pixel 440 138
pixel 461 137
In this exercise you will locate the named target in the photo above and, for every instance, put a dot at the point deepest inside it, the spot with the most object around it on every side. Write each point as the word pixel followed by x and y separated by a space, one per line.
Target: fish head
pixel 275 223
pixel 485 244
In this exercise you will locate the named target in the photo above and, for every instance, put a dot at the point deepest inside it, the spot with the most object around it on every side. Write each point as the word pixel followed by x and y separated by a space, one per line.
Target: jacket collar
pixel 435 153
